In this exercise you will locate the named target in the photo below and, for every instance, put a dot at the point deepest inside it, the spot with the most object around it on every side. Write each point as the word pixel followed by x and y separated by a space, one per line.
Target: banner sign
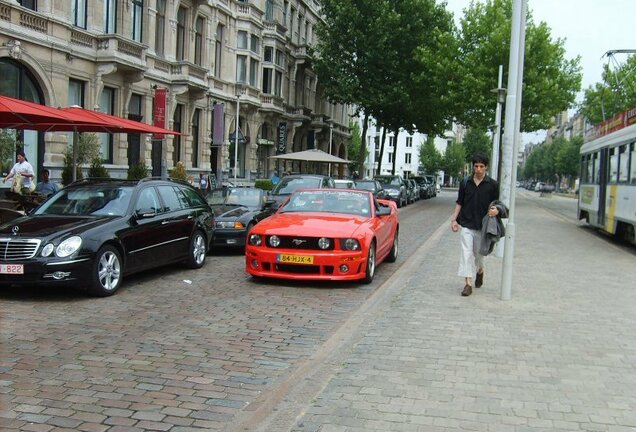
pixel 619 121
pixel 159 114
pixel 218 125
pixel 281 138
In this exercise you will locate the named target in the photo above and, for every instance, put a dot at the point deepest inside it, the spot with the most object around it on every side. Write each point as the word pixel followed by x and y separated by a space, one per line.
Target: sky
pixel 590 28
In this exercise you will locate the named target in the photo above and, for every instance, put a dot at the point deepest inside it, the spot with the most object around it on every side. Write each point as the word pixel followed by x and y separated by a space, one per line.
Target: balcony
pixel 272 103
pixel 127 54
pixel 189 74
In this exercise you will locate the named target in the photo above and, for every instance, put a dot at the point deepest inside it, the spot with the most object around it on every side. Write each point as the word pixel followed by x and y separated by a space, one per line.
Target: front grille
pixel 295 268
pixel 305 243
pixel 18 249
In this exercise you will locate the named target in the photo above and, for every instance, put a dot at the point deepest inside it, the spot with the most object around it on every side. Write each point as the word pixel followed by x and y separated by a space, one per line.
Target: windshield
pixel 244 197
pixel 93 200
pixel 365 185
pixel 329 201
pixel 392 181
pixel 288 185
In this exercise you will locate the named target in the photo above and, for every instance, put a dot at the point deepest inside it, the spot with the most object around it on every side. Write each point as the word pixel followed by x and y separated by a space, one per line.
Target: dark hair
pixel 480 158
pixel 21 153
pixel 46 171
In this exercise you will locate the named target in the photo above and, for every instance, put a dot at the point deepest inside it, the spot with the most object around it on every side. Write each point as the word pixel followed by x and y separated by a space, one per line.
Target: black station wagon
pixel 93 232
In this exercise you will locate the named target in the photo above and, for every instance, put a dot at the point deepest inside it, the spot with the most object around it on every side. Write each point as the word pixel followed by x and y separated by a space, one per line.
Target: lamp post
pixel 236 135
pixel 501 99
pixel 330 139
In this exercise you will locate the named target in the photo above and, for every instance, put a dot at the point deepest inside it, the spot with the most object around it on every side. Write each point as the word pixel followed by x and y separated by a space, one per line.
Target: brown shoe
pixel 479 280
pixel 468 290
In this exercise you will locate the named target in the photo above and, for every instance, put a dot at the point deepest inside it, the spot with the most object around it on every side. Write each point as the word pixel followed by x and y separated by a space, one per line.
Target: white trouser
pixel 470 260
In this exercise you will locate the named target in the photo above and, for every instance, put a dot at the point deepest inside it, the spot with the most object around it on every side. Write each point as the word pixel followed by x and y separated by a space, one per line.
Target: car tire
pixel 197 251
pixel 393 255
pixel 107 272
pixel 369 272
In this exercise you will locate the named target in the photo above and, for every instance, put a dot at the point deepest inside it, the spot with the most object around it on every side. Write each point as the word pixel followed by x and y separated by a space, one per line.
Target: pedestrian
pixel 24 170
pixel 275 179
pixel 46 187
pixel 203 183
pixel 476 193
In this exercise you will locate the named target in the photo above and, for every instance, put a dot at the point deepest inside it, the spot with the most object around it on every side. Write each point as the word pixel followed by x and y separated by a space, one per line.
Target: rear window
pixel 289 185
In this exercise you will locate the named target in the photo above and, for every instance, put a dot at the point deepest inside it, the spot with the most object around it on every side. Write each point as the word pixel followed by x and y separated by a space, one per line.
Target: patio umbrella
pixel 311 155
pixel 114 124
pixel 21 114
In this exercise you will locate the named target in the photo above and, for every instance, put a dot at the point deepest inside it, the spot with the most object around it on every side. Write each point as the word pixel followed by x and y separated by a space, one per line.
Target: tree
pixel 476 141
pixel 550 81
pixel 87 150
pixel 454 159
pixel 430 158
pixel 355 146
pixel 617 93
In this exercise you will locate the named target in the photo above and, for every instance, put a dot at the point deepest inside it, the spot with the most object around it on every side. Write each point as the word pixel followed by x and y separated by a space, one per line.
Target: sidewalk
pixel 560 356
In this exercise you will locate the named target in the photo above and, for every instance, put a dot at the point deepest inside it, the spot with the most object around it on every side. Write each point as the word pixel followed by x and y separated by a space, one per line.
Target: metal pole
pixel 330 139
pixel 494 160
pixel 512 135
pixel 236 137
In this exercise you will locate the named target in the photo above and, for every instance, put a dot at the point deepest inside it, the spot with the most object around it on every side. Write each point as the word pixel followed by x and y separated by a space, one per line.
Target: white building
pixel 407 150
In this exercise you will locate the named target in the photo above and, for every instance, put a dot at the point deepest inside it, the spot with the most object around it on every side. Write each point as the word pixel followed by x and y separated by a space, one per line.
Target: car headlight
pixel 230 224
pixel 324 243
pixel 394 192
pixel 68 246
pixel 47 250
pixel 274 241
pixel 255 240
pixel 350 244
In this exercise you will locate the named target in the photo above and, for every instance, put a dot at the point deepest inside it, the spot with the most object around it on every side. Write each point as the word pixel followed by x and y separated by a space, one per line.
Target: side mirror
pixel 145 213
pixel 269 203
pixel 383 211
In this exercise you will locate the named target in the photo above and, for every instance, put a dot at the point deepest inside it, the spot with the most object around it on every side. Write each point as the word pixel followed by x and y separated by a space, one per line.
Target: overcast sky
pixel 590 28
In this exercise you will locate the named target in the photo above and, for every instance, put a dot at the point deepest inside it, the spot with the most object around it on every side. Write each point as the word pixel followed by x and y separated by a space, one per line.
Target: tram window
pixel 623 159
pixel 596 170
pixel 613 165
pixel 586 165
pixel 633 164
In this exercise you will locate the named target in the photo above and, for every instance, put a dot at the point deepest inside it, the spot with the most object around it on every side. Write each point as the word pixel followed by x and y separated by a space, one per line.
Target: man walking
pixel 476 192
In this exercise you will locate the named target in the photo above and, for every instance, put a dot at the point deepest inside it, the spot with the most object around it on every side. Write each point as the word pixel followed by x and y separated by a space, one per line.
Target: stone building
pixel 194 66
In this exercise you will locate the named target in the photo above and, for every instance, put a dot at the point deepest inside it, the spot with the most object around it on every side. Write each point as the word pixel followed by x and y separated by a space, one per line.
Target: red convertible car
pixel 324 234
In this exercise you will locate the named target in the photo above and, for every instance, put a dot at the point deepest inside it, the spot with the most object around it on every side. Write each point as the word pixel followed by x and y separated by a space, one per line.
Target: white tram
pixel 607 186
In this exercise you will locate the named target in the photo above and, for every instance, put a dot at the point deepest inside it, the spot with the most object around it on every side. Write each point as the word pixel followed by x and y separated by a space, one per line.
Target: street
pixel 180 350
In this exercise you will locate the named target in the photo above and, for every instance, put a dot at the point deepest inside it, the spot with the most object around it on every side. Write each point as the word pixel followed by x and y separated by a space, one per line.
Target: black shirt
pixel 475 201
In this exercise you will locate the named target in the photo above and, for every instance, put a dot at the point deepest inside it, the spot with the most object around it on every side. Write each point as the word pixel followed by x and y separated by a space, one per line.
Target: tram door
pixel 602 188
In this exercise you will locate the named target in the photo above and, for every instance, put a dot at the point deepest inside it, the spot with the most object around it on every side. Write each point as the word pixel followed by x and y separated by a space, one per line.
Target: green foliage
pixel 179 172
pixel 476 141
pixel 550 81
pixel 555 160
pixel 97 170
pixel 430 158
pixel 355 146
pixel 265 184
pixel 454 158
pixel 8 147
pixel 617 93
pixel 138 171
pixel 67 171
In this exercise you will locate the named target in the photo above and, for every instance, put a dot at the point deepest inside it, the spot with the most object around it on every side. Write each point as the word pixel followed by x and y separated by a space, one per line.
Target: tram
pixel 607 185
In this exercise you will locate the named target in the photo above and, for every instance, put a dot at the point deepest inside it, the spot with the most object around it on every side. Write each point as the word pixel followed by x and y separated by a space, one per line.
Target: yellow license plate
pixel 294 259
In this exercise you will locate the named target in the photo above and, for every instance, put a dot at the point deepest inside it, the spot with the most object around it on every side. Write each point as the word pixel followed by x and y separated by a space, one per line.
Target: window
pixel 160 28
pixel 253 72
pixel 391 141
pixel 79 13
pixel 586 169
pixel 75 92
pixel 613 166
pixel 198 41
pixel 409 141
pixel 255 42
pixel 148 201
pixel 181 22
pixel 633 163
pixel 218 51
pixel 29 4
pixel 279 58
pixel 137 16
pixel 173 198
pixel 597 163
pixel 285 7
pixel 195 137
pixel 390 157
pixel 407 158
pixel 268 54
pixel 376 141
pixel 241 69
pixel 623 167
pixel 269 10
pixel 267 80
pixel 106 105
pixel 176 126
pixel 278 83
pixel 241 40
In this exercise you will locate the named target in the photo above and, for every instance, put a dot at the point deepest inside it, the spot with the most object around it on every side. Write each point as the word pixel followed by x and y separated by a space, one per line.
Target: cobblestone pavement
pixel 175 350
pixel 559 356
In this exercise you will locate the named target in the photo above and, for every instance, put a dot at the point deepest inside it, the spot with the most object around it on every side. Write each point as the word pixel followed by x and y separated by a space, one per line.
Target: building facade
pixel 193 66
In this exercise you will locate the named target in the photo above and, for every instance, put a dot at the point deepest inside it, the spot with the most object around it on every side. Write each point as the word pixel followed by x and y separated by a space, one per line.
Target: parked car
pixel 94 232
pixel 236 211
pixel 432 181
pixel 343 184
pixel 425 189
pixel 373 186
pixel 395 188
pixel 413 190
pixel 322 234
pixel 293 182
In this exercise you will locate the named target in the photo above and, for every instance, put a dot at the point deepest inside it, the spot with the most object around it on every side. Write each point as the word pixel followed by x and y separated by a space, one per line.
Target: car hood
pixel 46 226
pixel 229 211
pixel 312 224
